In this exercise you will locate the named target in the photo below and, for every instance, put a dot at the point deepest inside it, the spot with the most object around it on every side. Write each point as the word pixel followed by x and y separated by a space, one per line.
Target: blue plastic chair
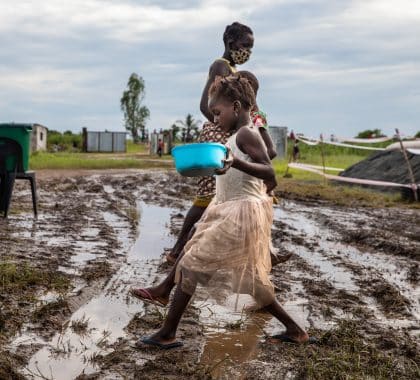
pixel 11 168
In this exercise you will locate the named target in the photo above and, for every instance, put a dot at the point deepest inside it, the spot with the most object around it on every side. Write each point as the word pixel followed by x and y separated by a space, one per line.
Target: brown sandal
pixel 145 296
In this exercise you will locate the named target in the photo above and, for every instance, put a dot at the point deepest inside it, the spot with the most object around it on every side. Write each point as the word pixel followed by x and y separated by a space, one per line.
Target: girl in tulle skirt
pixel 231 241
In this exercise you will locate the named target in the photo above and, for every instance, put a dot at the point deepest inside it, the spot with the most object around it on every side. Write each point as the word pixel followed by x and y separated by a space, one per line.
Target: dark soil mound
pixel 386 166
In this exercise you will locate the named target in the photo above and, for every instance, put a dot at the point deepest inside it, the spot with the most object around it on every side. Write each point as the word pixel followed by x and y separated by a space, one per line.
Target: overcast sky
pixel 324 66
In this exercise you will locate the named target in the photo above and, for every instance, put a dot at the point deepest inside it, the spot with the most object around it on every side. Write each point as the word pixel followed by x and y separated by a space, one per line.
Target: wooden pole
pixel 323 157
pixel 410 169
pixel 290 160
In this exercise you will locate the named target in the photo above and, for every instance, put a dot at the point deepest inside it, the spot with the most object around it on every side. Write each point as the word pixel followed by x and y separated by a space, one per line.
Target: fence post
pixel 290 159
pixel 322 155
pixel 410 170
pixel 84 143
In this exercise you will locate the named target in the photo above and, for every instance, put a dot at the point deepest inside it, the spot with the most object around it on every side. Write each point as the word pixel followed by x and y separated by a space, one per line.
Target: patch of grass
pixel 141 148
pixel 347 352
pixel 65 160
pixel 338 194
pixel 15 277
pixel 80 326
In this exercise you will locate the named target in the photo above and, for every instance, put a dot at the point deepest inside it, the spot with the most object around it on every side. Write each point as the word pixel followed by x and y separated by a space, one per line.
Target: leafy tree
pixel 175 129
pixel 135 114
pixel 370 133
pixel 417 136
pixel 188 128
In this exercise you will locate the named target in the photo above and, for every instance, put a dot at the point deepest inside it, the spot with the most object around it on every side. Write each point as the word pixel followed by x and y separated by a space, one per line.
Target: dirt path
pixel 65 313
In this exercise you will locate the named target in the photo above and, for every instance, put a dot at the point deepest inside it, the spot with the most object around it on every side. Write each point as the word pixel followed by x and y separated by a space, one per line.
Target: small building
pixel 104 142
pixel 38 137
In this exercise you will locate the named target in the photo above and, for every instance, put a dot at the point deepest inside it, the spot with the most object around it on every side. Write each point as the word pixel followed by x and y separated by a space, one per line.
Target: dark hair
pixel 233 87
pixel 251 78
pixel 235 31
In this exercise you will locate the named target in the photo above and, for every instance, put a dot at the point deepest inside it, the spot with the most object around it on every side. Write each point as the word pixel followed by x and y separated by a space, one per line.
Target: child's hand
pixel 227 163
pixel 271 185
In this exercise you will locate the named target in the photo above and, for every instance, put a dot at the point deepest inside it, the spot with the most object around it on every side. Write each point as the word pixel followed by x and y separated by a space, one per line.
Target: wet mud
pixel 352 281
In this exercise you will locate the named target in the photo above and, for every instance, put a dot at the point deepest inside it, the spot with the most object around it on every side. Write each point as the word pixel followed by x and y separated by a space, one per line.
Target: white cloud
pixel 123 21
pixel 69 61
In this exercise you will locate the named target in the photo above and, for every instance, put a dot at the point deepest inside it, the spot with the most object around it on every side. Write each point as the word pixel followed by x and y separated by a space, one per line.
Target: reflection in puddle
pixel 232 348
pixel 105 317
pixel 153 233
pixel 231 336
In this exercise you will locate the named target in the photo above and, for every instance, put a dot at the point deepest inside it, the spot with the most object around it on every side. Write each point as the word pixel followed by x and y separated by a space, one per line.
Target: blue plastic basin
pixel 199 160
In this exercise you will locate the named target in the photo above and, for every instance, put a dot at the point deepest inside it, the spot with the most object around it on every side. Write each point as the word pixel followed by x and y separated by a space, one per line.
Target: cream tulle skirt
pixel 231 240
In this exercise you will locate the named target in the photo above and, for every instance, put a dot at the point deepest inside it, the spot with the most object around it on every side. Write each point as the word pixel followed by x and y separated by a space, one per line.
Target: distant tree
pixel 135 114
pixel 188 127
pixel 175 129
pixel 417 135
pixel 370 133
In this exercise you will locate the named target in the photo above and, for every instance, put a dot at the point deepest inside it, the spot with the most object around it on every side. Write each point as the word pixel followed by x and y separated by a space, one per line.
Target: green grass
pixel 301 184
pixel 334 156
pixel 346 352
pixel 16 277
pixel 137 148
pixel 316 189
pixel 65 160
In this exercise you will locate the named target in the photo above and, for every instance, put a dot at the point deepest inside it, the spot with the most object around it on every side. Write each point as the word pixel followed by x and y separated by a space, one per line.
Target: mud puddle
pixel 101 322
pixel 344 277
pixel 345 266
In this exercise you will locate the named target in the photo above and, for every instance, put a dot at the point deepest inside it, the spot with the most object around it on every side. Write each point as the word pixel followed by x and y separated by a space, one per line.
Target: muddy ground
pixel 352 281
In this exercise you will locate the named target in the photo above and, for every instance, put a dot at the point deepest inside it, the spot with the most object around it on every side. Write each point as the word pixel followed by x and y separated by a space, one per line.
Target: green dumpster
pixel 22 134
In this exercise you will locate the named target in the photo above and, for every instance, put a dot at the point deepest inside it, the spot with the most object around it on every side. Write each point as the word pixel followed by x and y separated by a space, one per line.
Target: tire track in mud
pixel 327 281
pixel 349 269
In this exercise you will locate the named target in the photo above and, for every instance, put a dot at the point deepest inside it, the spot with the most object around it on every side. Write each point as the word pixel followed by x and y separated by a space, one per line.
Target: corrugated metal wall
pixel 106 142
pixel 279 137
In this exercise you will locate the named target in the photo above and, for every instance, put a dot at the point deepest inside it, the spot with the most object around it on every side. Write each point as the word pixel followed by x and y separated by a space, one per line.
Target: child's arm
pixel 268 142
pixel 251 144
pixel 259 120
pixel 218 68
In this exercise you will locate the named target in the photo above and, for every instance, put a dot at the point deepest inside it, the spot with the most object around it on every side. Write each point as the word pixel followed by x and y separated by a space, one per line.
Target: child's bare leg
pixel 194 214
pixel 293 330
pixel 166 334
pixel 163 290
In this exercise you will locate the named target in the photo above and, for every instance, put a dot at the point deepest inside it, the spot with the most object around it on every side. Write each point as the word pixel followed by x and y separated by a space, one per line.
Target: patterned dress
pixel 207 185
